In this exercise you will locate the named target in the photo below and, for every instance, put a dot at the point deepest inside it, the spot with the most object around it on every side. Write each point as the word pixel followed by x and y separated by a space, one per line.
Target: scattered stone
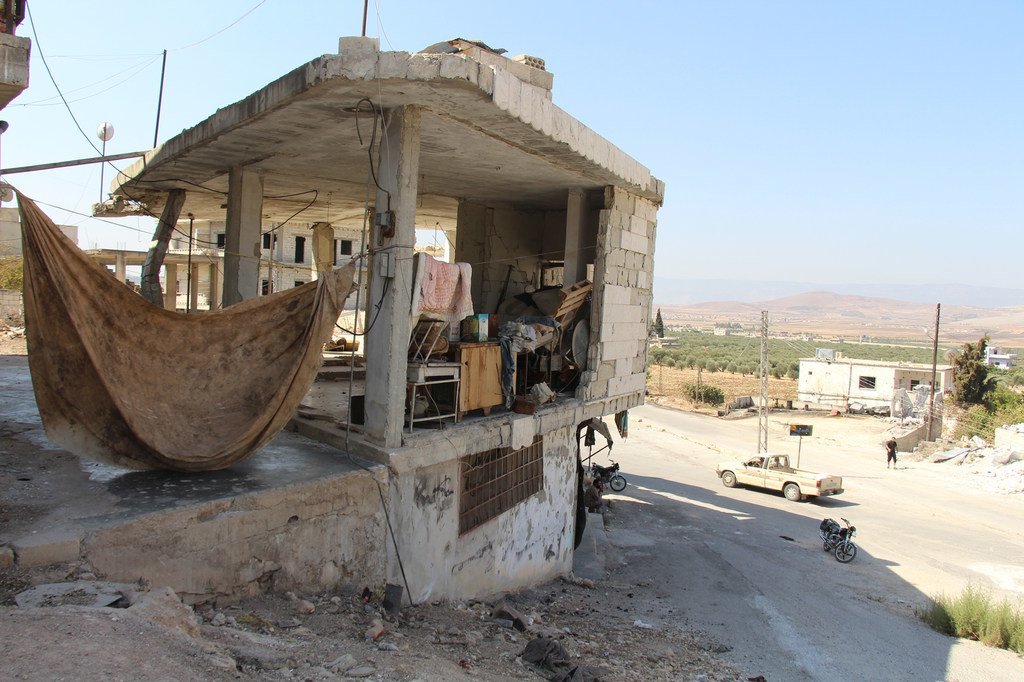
pixel 218 620
pixel 289 624
pixel 223 662
pixel 642 625
pixel 335 599
pixel 161 605
pixel 304 606
pixel 341 664
pixel 387 646
pixel 6 557
pixel 361 671
pixel 375 631
pixel 87 575
pixel 506 612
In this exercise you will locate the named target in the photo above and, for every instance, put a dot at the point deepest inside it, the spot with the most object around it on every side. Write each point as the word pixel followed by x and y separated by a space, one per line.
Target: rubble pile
pixel 999 469
pixel 568 629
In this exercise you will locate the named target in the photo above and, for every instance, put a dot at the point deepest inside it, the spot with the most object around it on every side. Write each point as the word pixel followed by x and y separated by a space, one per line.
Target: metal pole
pixel 935 360
pixel 68 164
pixel 799 447
pixel 762 412
pixel 366 8
pixel 160 98
pixel 102 167
pixel 188 285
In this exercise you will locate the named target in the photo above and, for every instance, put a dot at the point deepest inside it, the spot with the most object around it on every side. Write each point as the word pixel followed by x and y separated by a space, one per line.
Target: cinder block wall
pixel 623 273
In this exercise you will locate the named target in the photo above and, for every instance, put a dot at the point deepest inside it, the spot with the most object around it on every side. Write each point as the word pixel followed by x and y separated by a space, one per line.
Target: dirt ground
pixel 665 387
pixel 327 637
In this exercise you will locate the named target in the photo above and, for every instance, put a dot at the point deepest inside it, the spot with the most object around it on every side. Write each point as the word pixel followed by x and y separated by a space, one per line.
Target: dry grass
pixel 665 385
pixel 975 614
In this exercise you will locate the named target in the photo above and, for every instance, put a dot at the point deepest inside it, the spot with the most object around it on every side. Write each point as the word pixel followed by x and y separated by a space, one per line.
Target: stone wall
pixel 623 272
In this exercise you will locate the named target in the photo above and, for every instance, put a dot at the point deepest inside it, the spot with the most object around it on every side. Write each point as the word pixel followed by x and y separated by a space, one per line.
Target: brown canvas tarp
pixel 121 380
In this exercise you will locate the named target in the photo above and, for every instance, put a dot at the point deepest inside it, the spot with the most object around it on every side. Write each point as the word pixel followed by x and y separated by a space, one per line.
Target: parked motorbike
pixel 609 476
pixel 838 540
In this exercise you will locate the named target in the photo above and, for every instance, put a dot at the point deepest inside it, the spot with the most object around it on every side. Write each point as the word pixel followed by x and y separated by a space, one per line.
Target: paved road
pixel 747 566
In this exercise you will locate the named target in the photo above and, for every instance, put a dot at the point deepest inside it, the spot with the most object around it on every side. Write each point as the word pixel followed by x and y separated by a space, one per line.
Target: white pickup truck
pixel 772 471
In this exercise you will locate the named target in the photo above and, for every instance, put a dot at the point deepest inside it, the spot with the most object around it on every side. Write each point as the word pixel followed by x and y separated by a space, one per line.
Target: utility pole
pixel 935 360
pixel 762 411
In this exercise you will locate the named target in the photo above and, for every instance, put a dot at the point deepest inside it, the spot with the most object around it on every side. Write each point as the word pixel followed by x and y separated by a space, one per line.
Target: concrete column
pixel 194 303
pixel 119 267
pixel 575 237
pixel 242 235
pixel 472 221
pixel 388 339
pixel 323 249
pixel 170 286
pixel 214 297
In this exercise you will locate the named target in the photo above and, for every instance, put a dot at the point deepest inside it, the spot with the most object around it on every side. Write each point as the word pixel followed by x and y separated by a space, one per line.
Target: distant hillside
pixel 854 317
pixel 669 291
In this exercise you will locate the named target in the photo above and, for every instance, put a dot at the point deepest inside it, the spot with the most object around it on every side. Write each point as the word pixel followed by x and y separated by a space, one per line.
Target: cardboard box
pixel 474 328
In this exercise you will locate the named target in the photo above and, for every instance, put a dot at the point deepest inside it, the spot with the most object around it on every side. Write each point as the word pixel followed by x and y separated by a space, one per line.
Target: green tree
pixel 659 325
pixel 971 381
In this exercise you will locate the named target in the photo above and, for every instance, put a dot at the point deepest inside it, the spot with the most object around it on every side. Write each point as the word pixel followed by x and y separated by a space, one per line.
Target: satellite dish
pixel 580 343
pixel 105 131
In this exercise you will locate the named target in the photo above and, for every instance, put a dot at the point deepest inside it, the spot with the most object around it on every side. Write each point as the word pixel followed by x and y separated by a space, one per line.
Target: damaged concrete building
pixel 482 499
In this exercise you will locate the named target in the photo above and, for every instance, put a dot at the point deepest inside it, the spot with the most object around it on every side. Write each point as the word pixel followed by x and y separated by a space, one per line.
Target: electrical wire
pixel 46 101
pixel 42 56
pixel 217 33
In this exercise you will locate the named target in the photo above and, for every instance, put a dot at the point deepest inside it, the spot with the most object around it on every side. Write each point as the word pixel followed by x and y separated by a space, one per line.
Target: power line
pixel 217 33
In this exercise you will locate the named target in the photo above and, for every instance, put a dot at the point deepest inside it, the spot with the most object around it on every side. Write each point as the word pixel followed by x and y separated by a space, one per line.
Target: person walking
pixel 890 452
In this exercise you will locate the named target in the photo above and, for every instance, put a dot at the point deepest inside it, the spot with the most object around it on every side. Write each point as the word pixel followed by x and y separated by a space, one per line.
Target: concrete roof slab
pixel 493 138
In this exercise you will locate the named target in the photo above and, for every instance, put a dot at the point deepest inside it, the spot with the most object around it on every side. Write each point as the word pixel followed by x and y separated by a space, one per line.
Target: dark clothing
pixel 890 451
pixel 593 497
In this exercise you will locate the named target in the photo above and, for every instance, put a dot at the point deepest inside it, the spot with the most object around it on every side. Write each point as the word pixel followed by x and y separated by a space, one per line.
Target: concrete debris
pixel 77 593
pixel 161 605
pixel 1000 469
pixel 304 606
pixel 341 664
pixel 6 556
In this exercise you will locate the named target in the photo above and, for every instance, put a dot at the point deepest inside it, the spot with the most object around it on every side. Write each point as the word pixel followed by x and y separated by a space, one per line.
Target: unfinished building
pixel 551 219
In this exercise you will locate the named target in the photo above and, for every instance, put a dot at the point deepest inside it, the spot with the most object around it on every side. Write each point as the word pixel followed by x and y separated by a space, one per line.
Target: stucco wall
pixel 528 544
pixel 314 536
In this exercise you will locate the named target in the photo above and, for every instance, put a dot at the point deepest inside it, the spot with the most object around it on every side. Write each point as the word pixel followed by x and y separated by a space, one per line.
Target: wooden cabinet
pixel 480 386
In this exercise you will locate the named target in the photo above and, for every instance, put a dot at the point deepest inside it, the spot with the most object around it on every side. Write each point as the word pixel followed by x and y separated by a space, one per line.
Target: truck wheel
pixel 728 479
pixel 792 492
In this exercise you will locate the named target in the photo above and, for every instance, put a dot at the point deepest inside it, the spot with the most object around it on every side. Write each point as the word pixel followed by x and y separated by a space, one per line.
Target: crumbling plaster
pixel 528 544
pixel 315 536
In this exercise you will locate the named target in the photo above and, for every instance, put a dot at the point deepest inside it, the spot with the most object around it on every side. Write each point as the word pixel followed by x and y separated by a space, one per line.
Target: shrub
pixel 974 614
pixel 710 395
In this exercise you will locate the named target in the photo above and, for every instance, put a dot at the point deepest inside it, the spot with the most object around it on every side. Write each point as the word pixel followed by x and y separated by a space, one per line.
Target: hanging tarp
pixel 123 381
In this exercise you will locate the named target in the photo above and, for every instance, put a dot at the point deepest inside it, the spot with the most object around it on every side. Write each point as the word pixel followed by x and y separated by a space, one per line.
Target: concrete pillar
pixel 170 286
pixel 575 237
pixel 472 221
pixel 242 235
pixel 194 303
pixel 388 338
pixel 214 296
pixel 323 249
pixel 119 267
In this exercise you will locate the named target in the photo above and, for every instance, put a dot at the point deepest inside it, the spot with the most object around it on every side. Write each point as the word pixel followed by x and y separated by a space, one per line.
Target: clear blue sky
pixel 829 142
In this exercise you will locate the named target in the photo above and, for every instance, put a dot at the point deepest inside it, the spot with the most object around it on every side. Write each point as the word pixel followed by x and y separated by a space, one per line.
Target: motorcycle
pixel 609 476
pixel 838 540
